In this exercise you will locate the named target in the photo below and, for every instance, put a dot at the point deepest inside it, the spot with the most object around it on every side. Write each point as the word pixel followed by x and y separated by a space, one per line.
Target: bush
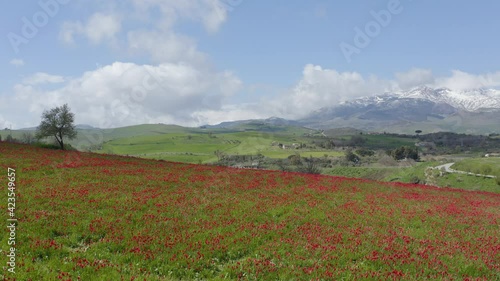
pixel 351 157
pixel 363 152
pixel 283 165
pixel 28 138
pixel 295 159
pixel 415 180
pixel 47 145
pixel 405 152
pixel 10 139
pixel 486 169
pixel 68 146
pixel 356 141
pixel 387 161
pixel 310 167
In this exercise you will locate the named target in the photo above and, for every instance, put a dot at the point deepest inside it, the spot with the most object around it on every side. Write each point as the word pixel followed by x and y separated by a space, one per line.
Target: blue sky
pixel 205 61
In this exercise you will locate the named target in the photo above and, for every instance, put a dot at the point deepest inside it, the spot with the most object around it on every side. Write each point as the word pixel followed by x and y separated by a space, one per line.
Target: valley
pixel 264 144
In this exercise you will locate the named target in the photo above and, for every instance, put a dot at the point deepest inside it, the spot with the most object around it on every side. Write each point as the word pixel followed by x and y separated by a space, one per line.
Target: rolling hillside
pixel 84 216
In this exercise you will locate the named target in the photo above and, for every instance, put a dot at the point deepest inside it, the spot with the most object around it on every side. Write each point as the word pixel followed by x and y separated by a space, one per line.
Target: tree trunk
pixel 59 140
pixel 62 142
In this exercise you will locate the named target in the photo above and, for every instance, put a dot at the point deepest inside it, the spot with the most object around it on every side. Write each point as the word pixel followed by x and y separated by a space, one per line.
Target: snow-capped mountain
pixel 422 107
pixel 469 100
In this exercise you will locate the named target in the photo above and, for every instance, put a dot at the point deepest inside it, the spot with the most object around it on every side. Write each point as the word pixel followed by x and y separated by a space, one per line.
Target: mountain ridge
pixel 471 111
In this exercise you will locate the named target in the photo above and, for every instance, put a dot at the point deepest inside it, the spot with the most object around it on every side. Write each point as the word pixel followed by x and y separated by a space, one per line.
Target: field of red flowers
pixel 87 216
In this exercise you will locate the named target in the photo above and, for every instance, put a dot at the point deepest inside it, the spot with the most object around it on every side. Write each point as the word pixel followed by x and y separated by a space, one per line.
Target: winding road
pixel 448 169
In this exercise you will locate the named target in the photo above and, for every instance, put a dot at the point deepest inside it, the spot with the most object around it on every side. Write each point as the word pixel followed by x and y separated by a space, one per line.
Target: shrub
pixel 295 159
pixel 363 152
pixel 486 169
pixel 351 157
pixel 47 145
pixel 405 152
pixel 415 180
pixel 310 167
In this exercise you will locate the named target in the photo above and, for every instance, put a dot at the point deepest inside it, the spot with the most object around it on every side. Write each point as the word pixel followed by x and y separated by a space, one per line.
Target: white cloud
pixel 460 80
pixel 151 29
pixel 17 62
pixel 68 30
pixel 187 94
pixel 233 112
pixel 165 46
pixel 181 82
pixel 162 43
pixel 99 28
pixel 4 124
pixel 414 78
pixel 320 87
pixel 42 78
pixel 125 93
pixel 211 13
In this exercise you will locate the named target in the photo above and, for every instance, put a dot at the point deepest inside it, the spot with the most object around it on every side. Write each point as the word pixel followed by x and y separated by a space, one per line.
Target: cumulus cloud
pixel 460 80
pixel 17 62
pixel 4 123
pixel 230 112
pixel 414 78
pixel 98 28
pixel 321 87
pixel 151 31
pixel 165 46
pixel 161 42
pixel 179 86
pixel 125 93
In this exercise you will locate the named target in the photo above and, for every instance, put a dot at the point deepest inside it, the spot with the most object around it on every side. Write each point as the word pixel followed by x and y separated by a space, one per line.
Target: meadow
pixel 483 165
pixel 198 145
pixel 85 216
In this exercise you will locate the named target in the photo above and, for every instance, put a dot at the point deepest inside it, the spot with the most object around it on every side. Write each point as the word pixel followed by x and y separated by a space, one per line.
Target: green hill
pixel 84 216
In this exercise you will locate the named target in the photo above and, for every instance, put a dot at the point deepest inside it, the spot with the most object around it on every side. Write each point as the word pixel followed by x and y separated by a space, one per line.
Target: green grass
pixel 387 142
pixel 283 153
pixel 85 216
pixel 195 146
pixel 434 177
pixel 410 174
pixel 484 165
pixel 468 182
pixel 374 173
